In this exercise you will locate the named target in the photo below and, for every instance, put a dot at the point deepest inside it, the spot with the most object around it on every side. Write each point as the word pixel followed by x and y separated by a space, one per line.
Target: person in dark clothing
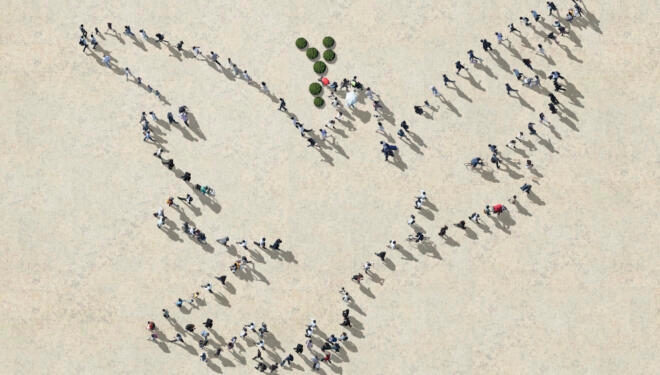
pixel 186 177
pixel 460 66
pixel 169 163
pixel 486 45
pixel 553 99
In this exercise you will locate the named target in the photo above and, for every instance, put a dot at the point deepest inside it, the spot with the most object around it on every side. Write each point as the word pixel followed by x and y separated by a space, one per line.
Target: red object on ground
pixel 497 208
pixel 325 81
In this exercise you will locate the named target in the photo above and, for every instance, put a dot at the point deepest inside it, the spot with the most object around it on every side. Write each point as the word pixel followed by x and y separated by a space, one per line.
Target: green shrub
pixel 328 42
pixel 315 88
pixel 301 43
pixel 318 101
pixel 329 55
pixel 312 53
pixel 320 67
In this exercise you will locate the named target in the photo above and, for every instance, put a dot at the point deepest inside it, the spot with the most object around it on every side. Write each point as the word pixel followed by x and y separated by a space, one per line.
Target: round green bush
pixel 301 43
pixel 329 55
pixel 328 42
pixel 315 88
pixel 312 53
pixel 318 101
pixel 320 67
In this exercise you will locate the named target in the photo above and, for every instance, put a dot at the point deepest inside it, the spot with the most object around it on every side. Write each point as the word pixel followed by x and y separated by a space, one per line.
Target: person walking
pixel 528 63
pixel 513 28
pixel 446 80
pixel 509 89
pixel 411 220
pixel 282 105
pixel 540 50
pixel 443 231
pixel 500 37
pixel 381 255
pixel 472 58
pixel 486 45
pixel 531 129
pixel 127 72
pixel 553 99
pixel 435 91
pixel 460 66
pixel 264 88
pixel 144 34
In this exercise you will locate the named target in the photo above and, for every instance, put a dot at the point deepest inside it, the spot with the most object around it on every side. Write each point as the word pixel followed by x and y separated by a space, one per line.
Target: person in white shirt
pixel 106 60
pixel 144 34
pixel 246 76
pixel 264 88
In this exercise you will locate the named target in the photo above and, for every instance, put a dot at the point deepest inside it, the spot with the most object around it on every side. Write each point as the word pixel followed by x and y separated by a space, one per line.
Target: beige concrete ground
pixel 570 285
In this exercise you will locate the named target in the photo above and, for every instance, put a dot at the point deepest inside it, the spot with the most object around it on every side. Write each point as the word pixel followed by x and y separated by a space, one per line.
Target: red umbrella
pixel 325 81
pixel 497 208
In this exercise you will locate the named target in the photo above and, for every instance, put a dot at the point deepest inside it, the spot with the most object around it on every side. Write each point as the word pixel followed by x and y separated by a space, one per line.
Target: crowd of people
pixel 332 343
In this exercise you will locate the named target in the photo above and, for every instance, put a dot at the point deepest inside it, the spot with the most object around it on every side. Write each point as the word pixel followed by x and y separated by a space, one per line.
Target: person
pixel 531 129
pixel 473 59
pixel 513 28
pixel 276 245
pixel 179 46
pixel 486 45
pixel 106 60
pixel 94 42
pixel 552 108
pixel 499 208
pixel 460 224
pixel 525 21
pixel 169 163
pixel 553 99
pixel 535 15
pixel 509 89
pixel 419 237
pixel 282 105
pixel 404 125
pixel 513 199
pixel 186 177
pixel 495 160
pixel 357 278
pixel 459 66
pixel 517 73
pixel 177 338
pixel 529 164
pixel 222 279
pixel 381 255
pixel 540 50
pixel 83 31
pixel 288 359
pixel 528 63
pixel 476 161
pixel 127 31
pixel 435 91
pixel 526 188
pixel 411 220
pixel 474 217
pixel 446 80
pixel 392 244
pixel 208 323
pixel 144 34
pixel 500 37
pixel 443 231
pixel 188 198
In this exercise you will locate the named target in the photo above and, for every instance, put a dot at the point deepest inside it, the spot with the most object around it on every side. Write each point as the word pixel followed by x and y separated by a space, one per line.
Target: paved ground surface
pixel 567 284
